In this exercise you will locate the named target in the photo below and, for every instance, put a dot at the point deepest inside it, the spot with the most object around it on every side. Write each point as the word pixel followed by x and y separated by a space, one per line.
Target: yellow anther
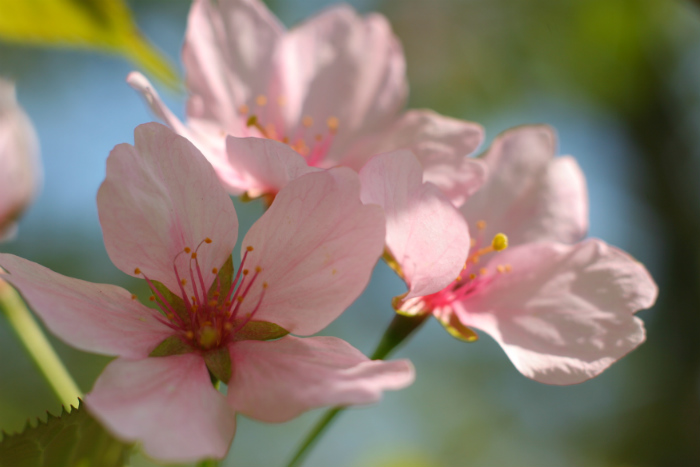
pixel 307 121
pixel 245 272
pixel 152 298
pixel 472 276
pixel 500 242
pixel 194 299
pixel 133 296
pixel 194 255
pixel 509 268
pixel 285 140
pixel 459 279
pixel 137 271
pixel 261 100
pixel 472 242
pixel 189 335
pixel 258 269
pixel 207 240
pixel 187 249
pixel 227 303
pixel 264 285
pixel 183 281
pixel 249 248
pixel 240 299
pixel 170 316
pixel 214 270
pixel 481 225
pixel 281 101
pixel 212 302
pixel 243 109
pixel 216 293
pixel 501 269
pixel 333 123
pixel 228 326
pixel 318 137
pixel 483 271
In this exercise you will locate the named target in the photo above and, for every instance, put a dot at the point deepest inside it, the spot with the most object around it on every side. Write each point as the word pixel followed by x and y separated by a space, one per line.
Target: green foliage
pixel 103 25
pixel 72 439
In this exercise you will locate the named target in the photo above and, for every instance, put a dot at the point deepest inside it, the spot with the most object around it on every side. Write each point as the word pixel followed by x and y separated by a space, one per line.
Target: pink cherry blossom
pixel 20 173
pixel 331 89
pixel 563 311
pixel 166 219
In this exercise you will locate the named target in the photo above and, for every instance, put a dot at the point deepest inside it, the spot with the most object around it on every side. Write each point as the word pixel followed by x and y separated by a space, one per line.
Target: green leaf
pixel 259 331
pixel 174 301
pixel 104 25
pixel 173 345
pixel 219 363
pixel 73 439
pixel 224 277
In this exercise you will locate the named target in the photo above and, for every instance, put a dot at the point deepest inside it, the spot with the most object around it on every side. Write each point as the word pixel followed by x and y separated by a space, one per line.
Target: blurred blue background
pixel 619 81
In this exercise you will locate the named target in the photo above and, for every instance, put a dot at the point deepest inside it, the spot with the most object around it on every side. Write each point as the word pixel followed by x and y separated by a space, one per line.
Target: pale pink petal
pixel 530 195
pixel 425 233
pixel 441 145
pixel 166 403
pixel 20 170
pixel 316 245
pixel 268 165
pixel 275 381
pixel 158 198
pixel 338 64
pixel 98 318
pixel 228 59
pixel 566 312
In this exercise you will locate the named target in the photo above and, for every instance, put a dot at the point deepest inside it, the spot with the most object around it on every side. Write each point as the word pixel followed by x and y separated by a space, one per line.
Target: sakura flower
pixel 562 311
pixel 331 89
pixel 20 173
pixel 166 219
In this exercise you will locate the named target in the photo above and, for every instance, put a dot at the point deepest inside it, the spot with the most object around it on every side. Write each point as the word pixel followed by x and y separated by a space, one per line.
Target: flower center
pixel 310 138
pixel 472 277
pixel 206 313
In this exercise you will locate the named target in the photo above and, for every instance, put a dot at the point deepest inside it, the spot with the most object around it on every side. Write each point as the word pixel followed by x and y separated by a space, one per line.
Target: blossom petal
pixel 427 236
pixel 20 176
pixel 441 145
pixel 338 64
pixel 227 57
pixel 167 403
pixel 316 245
pixel 566 312
pixel 268 165
pixel 158 198
pixel 98 318
pixel 275 381
pixel 530 195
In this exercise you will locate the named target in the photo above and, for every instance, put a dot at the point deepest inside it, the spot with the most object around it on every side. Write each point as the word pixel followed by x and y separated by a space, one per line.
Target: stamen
pixel 207 240
pixel 214 270
pixel 481 225
pixel 152 298
pixel 187 249
pixel 243 110
pixel 137 271
pixel 307 121
pixel 261 100
pixel 253 121
pixel 500 242
pixel 333 123
pixel 133 296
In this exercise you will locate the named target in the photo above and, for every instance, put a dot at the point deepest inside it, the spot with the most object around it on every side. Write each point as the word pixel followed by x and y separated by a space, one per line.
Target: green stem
pixel 398 331
pixel 38 347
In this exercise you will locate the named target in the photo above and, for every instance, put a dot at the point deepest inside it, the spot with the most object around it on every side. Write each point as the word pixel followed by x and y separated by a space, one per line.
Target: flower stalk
pixel 34 341
pixel 400 329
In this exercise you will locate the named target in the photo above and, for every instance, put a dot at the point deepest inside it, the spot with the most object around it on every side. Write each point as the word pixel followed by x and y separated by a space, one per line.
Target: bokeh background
pixel 620 81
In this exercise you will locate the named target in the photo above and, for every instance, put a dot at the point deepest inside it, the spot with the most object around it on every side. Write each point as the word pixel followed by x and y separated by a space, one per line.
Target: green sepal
pixel 71 439
pixel 173 345
pixel 174 301
pixel 258 331
pixel 223 277
pixel 219 363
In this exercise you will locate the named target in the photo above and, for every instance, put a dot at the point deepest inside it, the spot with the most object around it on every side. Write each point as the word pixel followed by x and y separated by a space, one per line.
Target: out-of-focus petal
pixel 158 198
pixel 275 381
pixel 340 65
pixel 20 173
pixel 167 403
pixel 427 236
pixel 97 318
pixel 268 165
pixel 566 312
pixel 316 245
pixel 227 55
pixel 441 145
pixel 530 195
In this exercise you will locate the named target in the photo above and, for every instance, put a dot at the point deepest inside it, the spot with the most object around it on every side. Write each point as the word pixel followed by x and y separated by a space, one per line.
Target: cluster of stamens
pixel 270 125
pixel 473 277
pixel 206 318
